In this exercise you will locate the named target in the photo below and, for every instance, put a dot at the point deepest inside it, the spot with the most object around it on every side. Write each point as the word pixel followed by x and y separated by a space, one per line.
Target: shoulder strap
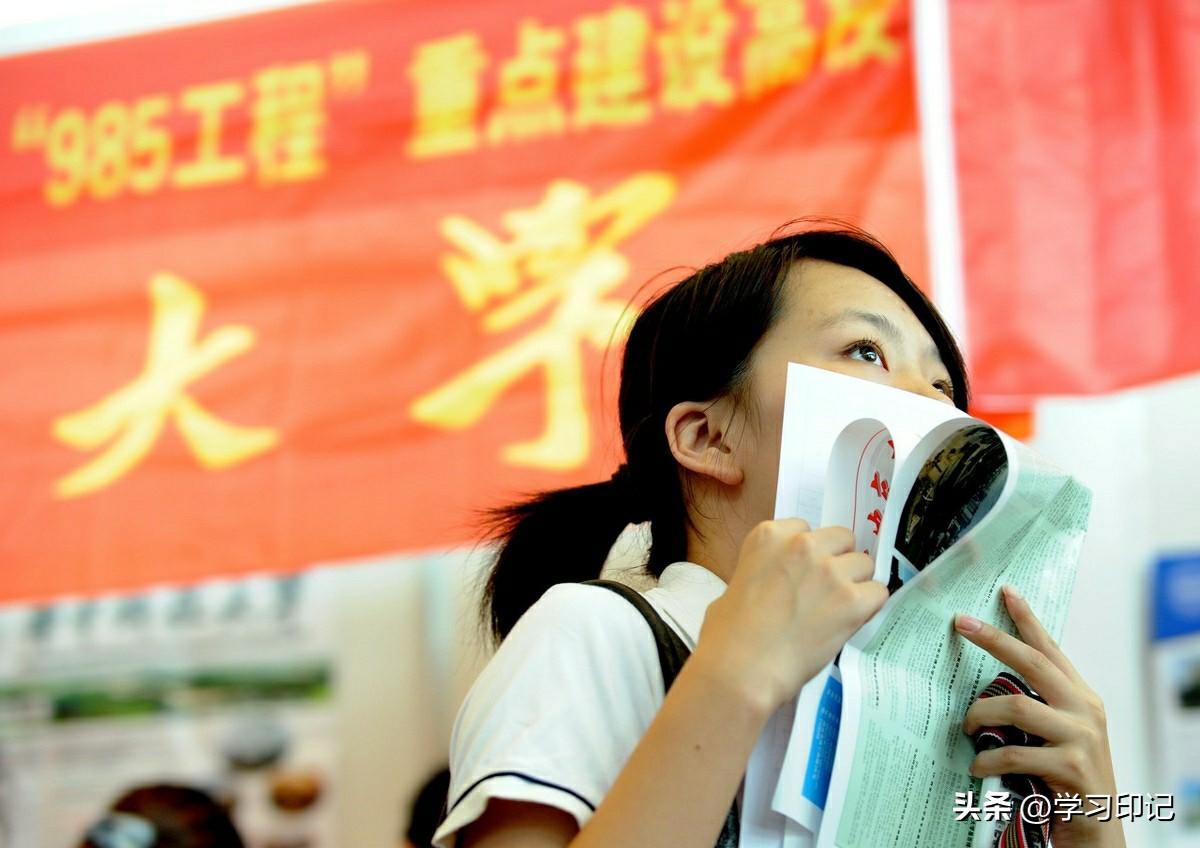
pixel 671 655
pixel 671 651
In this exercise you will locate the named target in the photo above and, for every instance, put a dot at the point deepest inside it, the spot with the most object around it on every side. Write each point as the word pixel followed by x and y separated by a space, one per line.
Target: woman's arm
pixel 676 787
pixel 796 597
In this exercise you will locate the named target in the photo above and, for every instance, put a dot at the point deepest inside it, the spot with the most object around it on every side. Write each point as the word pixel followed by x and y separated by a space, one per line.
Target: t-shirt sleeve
pixel 557 711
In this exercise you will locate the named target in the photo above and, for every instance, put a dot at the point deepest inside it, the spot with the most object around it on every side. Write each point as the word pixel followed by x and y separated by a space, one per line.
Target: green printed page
pixel 909 677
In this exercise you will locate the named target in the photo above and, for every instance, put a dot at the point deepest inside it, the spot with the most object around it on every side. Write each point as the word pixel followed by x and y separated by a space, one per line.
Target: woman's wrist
pixel 732 682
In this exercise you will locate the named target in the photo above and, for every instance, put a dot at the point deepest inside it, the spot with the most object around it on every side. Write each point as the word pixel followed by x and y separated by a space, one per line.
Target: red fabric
pixel 1078 143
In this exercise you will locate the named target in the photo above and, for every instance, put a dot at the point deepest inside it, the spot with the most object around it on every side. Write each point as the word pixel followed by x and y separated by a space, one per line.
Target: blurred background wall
pixel 262 578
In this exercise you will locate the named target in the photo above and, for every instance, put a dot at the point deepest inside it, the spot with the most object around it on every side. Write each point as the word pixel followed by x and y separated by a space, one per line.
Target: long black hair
pixel 692 342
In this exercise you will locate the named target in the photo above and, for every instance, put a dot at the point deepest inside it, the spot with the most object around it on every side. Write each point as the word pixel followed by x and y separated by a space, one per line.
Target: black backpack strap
pixel 671 655
pixel 671 651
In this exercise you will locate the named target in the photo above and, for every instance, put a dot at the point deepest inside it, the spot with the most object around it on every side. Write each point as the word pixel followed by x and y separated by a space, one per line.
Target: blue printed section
pixel 1177 596
pixel 824 743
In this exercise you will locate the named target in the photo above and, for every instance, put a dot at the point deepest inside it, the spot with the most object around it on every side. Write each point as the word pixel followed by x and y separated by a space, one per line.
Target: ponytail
pixel 560 536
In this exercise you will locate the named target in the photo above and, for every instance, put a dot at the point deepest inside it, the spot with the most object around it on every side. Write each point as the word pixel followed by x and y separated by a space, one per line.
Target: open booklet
pixel 950 509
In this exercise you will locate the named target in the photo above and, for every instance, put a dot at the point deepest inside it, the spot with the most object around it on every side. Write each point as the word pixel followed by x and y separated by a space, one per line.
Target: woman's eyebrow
pixel 883 324
pixel 880 322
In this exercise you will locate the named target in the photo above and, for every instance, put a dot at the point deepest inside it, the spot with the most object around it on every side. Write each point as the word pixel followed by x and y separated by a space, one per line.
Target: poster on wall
pixel 228 686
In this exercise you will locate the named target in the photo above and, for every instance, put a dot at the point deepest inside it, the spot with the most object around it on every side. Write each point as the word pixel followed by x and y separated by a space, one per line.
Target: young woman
pixel 566 738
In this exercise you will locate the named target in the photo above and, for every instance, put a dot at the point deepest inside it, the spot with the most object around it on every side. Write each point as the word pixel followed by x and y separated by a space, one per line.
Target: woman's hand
pixel 1075 759
pixel 795 598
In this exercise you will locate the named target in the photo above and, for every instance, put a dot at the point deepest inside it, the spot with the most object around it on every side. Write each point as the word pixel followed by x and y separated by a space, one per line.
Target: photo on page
pixel 956 487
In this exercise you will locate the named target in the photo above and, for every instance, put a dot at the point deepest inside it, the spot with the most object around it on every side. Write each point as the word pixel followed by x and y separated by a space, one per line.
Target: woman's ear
pixel 698 436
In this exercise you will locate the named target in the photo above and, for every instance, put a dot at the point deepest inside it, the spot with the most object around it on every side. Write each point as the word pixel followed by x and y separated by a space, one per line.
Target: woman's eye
pixel 945 388
pixel 866 352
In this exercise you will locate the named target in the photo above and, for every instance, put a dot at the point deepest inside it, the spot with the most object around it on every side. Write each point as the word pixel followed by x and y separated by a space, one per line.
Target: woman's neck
pixel 715 544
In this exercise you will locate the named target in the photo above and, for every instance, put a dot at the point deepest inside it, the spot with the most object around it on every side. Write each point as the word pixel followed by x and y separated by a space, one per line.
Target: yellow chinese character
pixel 528 99
pixel 562 257
pixel 446 75
pixel 781 49
pixel 210 167
pixel 608 69
pixel 857 32
pixel 288 138
pixel 349 72
pixel 692 52
pixel 131 418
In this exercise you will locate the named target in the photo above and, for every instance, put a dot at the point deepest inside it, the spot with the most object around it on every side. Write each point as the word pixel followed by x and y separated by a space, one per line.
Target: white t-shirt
pixel 558 710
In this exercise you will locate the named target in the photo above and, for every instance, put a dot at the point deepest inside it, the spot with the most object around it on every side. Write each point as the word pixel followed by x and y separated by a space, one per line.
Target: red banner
pixel 1078 135
pixel 315 284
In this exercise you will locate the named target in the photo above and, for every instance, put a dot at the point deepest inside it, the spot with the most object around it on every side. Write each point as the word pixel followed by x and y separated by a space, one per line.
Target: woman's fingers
pixel 1034 633
pixel 832 541
pixel 1076 757
pixel 1045 677
pixel 871 595
pixel 790 525
pixel 1021 711
pixel 1061 766
pixel 857 565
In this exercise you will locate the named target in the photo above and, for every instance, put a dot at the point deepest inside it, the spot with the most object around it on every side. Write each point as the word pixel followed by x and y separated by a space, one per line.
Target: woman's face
pixel 842 320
